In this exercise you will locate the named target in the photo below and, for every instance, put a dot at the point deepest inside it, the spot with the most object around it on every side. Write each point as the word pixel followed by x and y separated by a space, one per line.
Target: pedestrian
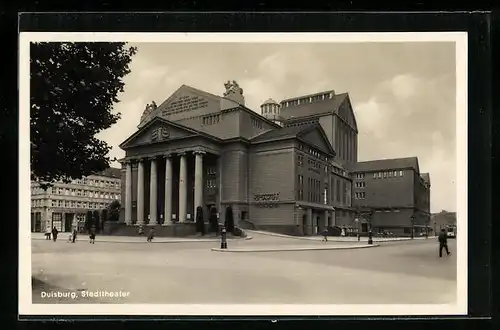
pixel 92 235
pixel 47 233
pixel 151 235
pixel 54 233
pixel 325 235
pixel 75 232
pixel 443 243
pixel 141 230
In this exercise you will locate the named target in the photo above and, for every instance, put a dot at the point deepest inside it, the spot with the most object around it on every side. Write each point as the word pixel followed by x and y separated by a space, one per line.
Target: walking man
pixel 325 235
pixel 151 235
pixel 443 243
pixel 74 235
pixel 54 233
pixel 92 235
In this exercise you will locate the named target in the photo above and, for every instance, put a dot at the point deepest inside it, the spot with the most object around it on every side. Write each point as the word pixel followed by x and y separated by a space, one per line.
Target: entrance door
pixel 38 222
pixel 304 224
pixel 68 222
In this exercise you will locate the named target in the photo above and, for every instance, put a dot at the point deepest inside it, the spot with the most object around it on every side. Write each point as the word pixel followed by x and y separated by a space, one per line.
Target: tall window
pixel 300 160
pixel 338 190
pixel 325 196
pixel 300 191
pixel 344 192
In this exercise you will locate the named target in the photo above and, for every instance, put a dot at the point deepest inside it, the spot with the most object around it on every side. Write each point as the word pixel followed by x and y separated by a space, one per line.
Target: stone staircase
pixel 185 230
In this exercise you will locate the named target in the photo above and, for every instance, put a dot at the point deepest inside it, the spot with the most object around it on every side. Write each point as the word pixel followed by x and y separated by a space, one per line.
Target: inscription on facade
pixel 275 197
pixel 185 103
pixel 267 200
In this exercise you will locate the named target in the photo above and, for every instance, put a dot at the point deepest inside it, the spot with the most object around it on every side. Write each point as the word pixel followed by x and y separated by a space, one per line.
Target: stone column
pixel 140 193
pixel 327 213
pixel 128 194
pixel 333 218
pixel 153 194
pixel 198 180
pixel 168 190
pixel 182 188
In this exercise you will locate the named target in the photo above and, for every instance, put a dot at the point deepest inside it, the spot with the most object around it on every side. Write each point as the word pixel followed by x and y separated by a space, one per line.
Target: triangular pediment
pixel 186 100
pixel 317 137
pixel 158 130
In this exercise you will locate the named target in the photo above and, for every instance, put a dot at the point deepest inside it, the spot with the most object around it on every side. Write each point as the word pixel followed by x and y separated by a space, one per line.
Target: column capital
pixel 199 152
pixel 182 153
pixel 166 156
pixel 125 161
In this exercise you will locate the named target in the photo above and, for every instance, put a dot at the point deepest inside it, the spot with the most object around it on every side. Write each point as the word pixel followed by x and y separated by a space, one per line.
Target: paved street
pixel 180 273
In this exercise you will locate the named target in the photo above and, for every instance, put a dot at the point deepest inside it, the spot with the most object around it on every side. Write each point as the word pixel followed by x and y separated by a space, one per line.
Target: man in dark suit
pixel 443 243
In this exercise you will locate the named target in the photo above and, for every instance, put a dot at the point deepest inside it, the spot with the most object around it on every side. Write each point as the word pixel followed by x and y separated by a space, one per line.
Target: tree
pixel 88 220
pixel 97 222
pixel 73 89
pixel 114 211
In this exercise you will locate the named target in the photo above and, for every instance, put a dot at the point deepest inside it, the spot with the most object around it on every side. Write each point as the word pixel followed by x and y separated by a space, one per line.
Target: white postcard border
pixel 26 307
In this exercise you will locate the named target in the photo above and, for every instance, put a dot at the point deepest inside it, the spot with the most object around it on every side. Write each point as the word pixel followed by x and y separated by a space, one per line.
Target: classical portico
pixel 165 189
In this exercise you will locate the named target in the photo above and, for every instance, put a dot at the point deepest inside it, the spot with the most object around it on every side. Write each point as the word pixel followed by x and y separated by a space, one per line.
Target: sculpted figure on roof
pixel 149 108
pixel 232 88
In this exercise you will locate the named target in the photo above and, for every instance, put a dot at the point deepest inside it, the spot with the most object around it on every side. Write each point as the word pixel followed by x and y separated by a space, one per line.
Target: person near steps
pixel 443 243
pixel 92 235
pixel 325 235
pixel 151 235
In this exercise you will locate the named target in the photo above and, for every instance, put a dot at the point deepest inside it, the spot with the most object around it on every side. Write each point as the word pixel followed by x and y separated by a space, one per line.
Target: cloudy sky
pixel 403 94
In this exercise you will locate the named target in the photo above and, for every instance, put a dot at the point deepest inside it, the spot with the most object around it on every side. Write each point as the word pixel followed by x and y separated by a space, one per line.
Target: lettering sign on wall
pixel 266 197
pixel 267 200
pixel 185 103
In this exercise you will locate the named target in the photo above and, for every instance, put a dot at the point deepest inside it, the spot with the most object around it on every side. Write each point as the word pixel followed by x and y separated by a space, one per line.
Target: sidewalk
pixel 297 248
pixel 133 239
pixel 337 238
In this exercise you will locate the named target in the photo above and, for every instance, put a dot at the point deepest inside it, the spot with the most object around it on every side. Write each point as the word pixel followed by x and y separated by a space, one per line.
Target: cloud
pixel 404 86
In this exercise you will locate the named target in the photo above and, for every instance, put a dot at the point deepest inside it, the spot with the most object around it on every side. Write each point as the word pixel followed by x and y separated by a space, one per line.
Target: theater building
pixel 199 149
pixel 289 169
pixel 395 194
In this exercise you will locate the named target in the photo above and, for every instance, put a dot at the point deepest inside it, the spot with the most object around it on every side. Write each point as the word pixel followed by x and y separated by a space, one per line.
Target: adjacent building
pixel 392 195
pixel 443 219
pixel 289 169
pixel 64 205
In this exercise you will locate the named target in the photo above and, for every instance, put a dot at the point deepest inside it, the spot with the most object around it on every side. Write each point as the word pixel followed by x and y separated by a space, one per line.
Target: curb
pixel 206 240
pixel 284 249
pixel 312 238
